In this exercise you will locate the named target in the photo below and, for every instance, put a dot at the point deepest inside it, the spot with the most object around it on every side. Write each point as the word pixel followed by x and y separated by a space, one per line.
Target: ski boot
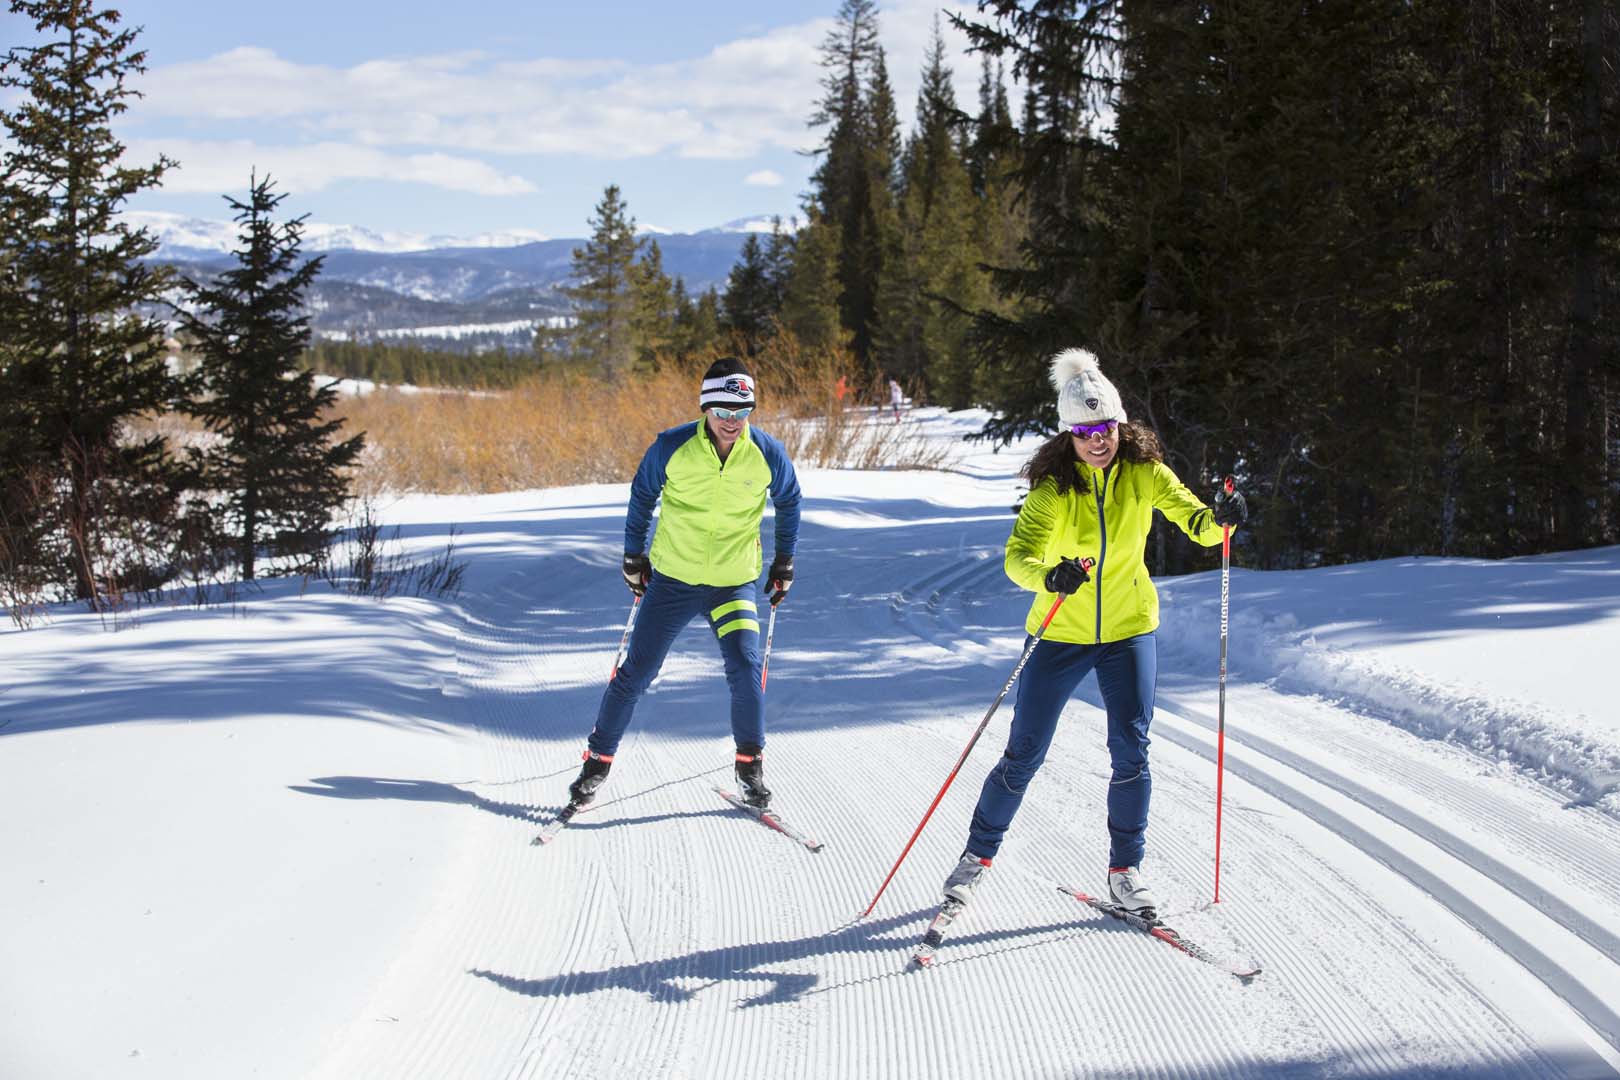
pixel 965 878
pixel 582 792
pixel 1130 892
pixel 751 777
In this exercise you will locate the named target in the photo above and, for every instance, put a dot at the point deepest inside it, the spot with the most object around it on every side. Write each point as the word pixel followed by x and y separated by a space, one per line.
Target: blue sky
pixel 488 115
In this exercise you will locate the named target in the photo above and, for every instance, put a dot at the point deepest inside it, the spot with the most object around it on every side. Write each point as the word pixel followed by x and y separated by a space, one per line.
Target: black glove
pixel 1229 508
pixel 1066 577
pixel 780 579
pixel 636 572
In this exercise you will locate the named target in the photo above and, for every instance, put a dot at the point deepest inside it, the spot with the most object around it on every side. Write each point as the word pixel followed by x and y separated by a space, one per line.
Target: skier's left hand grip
pixel 780 579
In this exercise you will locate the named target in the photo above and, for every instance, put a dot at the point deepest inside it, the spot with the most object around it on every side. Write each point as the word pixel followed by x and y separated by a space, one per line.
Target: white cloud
pixel 763 178
pixel 741 98
pixel 221 167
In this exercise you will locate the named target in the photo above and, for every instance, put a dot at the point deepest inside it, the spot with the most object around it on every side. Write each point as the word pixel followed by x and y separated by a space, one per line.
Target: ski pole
pixel 625 640
pixel 1220 709
pixel 765 665
pixel 994 705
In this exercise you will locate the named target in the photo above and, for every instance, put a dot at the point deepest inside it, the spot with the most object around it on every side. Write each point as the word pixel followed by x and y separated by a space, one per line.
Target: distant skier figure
pixel 713 476
pixel 1082 533
pixel 897 397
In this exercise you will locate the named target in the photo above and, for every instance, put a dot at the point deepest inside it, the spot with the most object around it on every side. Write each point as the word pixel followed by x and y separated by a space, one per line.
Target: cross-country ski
pixel 549 831
pixel 934 936
pixel 770 819
pixel 1244 973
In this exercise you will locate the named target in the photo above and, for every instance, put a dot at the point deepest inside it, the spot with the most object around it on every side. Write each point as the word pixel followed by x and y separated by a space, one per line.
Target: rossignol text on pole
pixel 994 705
pixel 765 664
pixel 1220 710
pixel 624 641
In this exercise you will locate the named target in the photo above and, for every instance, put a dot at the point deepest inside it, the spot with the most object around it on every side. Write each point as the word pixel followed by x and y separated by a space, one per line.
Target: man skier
pixel 713 476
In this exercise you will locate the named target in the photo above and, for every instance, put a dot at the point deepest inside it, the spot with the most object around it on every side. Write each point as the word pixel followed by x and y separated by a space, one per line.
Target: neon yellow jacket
pixel 1109 525
pixel 708 528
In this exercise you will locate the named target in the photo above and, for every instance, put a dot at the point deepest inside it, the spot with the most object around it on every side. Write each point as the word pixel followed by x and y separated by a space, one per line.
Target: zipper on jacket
pixel 1102 548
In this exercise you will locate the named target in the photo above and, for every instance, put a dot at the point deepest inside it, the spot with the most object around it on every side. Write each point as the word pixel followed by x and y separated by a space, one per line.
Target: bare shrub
pixel 565 426
pixel 365 561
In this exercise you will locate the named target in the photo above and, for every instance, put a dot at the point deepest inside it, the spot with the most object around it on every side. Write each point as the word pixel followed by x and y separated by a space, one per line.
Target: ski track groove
pixel 729 903
pixel 1513 938
pixel 1487 1038
pixel 1574 842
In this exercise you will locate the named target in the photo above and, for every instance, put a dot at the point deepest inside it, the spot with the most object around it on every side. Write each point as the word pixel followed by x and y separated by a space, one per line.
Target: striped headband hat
pixel 727 384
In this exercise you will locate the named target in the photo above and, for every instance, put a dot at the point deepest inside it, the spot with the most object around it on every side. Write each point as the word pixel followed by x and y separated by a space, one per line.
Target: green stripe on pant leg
pixel 737 624
pixel 727 608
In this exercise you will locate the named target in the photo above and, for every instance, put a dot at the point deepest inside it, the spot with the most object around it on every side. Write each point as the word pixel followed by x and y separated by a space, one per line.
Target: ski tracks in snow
pixel 666 934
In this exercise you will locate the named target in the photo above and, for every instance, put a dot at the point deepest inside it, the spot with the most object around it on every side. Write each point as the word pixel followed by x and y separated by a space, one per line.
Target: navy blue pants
pixel 665 610
pixel 1127 675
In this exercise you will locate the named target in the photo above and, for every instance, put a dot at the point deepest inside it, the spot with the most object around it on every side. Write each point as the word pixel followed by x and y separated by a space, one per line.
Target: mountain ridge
pixel 365 293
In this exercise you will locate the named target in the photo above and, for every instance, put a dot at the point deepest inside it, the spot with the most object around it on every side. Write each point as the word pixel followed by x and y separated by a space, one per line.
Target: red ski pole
pixel 1220 709
pixel 994 705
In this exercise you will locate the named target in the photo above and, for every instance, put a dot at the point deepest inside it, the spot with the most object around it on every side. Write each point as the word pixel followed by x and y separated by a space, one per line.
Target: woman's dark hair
pixel 1056 457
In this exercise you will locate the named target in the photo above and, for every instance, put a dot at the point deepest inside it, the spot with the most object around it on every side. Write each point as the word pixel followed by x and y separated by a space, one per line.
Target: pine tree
pixel 810 294
pixel 748 304
pixel 697 323
pixel 604 291
pixel 653 326
pixel 931 275
pixel 778 264
pixel 1060 51
pixel 80 362
pixel 854 183
pixel 277 465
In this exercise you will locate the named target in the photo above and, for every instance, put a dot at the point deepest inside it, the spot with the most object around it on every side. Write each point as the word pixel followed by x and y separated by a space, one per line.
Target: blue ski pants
pixel 666 608
pixel 1127 675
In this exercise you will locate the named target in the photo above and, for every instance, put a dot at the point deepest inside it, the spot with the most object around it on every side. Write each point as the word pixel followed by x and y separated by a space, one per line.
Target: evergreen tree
pixel 932 275
pixel 604 292
pixel 277 463
pixel 778 264
pixel 1061 52
pixel 854 183
pixel 1315 222
pixel 810 295
pixel 697 323
pixel 654 322
pixel 79 362
pixel 749 304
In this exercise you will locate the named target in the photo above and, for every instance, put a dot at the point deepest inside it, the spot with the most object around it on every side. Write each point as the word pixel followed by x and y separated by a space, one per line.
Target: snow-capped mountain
pixel 375 282
pixel 195 234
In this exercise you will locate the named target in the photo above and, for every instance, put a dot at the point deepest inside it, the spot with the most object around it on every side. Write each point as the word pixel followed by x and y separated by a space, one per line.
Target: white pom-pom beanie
pixel 1085 396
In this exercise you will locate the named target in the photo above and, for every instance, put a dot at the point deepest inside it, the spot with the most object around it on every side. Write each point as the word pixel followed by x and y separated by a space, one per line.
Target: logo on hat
pixel 737 384
pixel 1091 403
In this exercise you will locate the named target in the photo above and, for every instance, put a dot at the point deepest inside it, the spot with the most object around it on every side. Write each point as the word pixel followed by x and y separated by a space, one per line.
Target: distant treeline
pixel 395 362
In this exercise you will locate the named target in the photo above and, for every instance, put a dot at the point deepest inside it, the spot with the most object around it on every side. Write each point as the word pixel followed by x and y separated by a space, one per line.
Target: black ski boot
pixel 583 790
pixel 751 777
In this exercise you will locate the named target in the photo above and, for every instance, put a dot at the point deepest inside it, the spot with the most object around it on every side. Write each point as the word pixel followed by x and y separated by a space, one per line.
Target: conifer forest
pixel 1364 256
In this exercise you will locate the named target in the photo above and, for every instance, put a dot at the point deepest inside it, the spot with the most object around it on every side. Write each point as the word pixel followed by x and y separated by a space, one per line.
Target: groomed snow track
pixel 1417 914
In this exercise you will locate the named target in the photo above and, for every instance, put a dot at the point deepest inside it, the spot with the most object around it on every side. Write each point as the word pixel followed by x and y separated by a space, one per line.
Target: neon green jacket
pixel 708 528
pixel 1109 525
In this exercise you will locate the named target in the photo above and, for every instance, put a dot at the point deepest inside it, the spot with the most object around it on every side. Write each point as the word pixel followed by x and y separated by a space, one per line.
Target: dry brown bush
pixel 574 427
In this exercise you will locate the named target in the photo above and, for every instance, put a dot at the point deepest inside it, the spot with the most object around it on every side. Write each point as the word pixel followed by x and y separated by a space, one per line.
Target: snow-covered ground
pixel 290 836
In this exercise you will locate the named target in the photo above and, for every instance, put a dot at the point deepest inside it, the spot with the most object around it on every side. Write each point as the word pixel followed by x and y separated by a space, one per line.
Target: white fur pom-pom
pixel 1069 363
